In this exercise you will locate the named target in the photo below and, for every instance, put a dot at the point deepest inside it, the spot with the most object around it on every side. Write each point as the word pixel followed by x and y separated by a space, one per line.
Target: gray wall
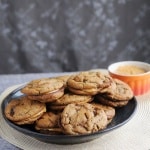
pixel 72 35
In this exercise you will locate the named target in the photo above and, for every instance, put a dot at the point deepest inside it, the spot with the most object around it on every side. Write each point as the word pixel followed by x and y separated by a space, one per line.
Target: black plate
pixel 123 115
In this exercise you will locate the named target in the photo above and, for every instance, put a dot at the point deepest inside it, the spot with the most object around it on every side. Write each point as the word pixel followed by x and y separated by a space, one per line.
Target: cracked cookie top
pixel 82 119
pixel 88 82
pixel 23 109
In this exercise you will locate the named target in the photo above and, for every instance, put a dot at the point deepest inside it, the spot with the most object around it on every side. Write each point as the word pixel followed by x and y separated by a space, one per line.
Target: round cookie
pixel 106 101
pixel 48 123
pixel 122 92
pixel 88 83
pixel 42 86
pixel 30 120
pixel 68 98
pixel 110 111
pixel 44 90
pixel 72 98
pixel 24 111
pixel 79 119
pixel 48 97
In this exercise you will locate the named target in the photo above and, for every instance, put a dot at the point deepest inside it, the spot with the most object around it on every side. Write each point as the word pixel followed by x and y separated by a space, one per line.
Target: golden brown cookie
pixel 48 97
pixel 30 120
pixel 42 86
pixel 110 111
pixel 69 98
pixel 44 90
pixel 24 111
pixel 64 78
pixel 82 119
pixel 109 102
pixel 48 123
pixel 88 83
pixel 122 92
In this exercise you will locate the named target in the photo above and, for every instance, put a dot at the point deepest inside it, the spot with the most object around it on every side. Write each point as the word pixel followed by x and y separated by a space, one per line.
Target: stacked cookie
pixel 44 90
pixel 117 97
pixel 74 104
pixel 88 83
pixel 24 111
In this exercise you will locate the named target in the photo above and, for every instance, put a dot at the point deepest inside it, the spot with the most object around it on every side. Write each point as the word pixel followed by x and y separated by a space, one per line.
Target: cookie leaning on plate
pixel 44 90
pixel 48 123
pixel 24 111
pixel 110 111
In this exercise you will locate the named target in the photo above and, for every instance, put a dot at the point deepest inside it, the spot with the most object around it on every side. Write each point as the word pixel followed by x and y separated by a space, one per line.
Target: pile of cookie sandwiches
pixel 79 103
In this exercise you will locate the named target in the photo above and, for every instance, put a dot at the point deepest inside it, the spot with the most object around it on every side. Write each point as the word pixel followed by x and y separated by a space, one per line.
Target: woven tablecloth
pixel 134 135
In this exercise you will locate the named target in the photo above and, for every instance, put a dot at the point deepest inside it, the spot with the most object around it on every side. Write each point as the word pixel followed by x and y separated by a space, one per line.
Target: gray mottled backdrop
pixel 72 35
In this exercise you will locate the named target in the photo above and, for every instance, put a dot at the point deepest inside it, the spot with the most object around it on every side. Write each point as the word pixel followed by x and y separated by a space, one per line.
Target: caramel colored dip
pixel 130 70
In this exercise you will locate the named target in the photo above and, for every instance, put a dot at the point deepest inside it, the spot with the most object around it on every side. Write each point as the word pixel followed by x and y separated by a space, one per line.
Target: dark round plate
pixel 123 115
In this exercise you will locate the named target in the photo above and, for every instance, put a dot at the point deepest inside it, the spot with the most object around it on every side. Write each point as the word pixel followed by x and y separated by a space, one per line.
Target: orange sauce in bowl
pixel 130 70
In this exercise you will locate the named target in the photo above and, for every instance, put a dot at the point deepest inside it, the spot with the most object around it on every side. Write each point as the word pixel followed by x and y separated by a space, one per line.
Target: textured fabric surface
pixel 126 137
pixel 72 35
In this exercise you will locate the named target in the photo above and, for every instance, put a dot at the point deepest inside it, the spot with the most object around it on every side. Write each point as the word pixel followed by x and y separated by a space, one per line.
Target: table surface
pixel 7 81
